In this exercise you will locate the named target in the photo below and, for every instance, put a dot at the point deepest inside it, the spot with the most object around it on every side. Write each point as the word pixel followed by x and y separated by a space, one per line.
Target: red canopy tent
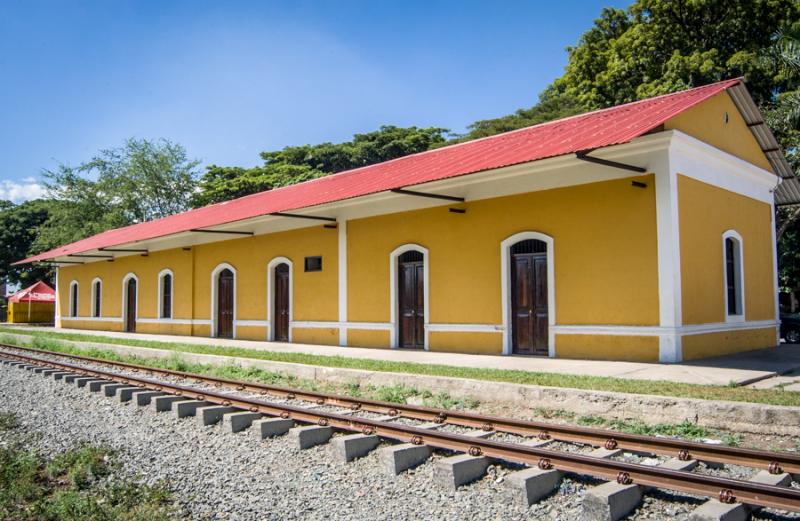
pixel 39 292
pixel 36 293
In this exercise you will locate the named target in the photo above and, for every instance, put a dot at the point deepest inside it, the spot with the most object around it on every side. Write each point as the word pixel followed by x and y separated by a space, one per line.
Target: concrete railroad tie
pixel 310 435
pixel 239 421
pixel 270 427
pixel 353 446
pixel 212 414
pixel 714 510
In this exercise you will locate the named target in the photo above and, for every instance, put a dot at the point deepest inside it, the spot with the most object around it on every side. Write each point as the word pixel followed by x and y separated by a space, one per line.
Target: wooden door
pixel 529 310
pixel 130 306
pixel 225 304
pixel 281 304
pixel 411 301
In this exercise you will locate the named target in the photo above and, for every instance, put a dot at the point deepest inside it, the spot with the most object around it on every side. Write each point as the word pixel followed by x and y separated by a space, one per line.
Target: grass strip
pixel 78 485
pixel 591 383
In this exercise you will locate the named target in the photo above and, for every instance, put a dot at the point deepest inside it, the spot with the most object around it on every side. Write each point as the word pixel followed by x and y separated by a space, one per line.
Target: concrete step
pixel 460 470
pixel 353 446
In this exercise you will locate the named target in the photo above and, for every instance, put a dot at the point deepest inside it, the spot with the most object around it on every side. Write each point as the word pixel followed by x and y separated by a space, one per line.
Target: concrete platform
pixel 741 368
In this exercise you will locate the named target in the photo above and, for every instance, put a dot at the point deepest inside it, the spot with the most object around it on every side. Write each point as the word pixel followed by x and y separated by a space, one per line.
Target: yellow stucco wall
pixel 705 213
pixel 368 338
pixel 706 122
pixel 714 344
pixel 111 274
pixel 605 255
pixel 459 342
pixel 314 294
pixel 608 347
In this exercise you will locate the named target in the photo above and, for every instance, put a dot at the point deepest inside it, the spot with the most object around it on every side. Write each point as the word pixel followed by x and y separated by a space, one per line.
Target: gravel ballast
pixel 214 474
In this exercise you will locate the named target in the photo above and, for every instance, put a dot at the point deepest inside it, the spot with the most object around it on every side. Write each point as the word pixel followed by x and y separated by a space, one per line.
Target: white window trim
pixel 393 291
pixel 505 274
pixel 94 296
pixel 124 307
pixel 72 305
pixel 160 304
pixel 271 296
pixel 738 262
pixel 214 303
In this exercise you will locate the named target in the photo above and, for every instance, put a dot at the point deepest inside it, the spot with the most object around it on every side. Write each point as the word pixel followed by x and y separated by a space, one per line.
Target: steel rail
pixel 728 490
pixel 681 449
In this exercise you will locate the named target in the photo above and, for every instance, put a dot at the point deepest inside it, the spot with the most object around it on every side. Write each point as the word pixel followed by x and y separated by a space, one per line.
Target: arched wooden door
pixel 130 305
pixel 411 300
pixel 225 304
pixel 529 310
pixel 281 302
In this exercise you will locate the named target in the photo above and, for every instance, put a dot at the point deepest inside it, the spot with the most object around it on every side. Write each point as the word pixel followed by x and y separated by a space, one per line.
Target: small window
pixel 73 299
pixel 97 291
pixel 166 296
pixel 313 263
pixel 733 277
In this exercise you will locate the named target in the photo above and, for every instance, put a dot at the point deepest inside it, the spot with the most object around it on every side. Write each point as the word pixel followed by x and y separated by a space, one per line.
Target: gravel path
pixel 217 475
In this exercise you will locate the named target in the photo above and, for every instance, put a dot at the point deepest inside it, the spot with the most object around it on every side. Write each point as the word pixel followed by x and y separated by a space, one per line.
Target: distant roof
pixel 583 132
pixel 38 292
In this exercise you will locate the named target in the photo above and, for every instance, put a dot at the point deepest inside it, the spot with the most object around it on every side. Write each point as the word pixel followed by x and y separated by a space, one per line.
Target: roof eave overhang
pixel 542 174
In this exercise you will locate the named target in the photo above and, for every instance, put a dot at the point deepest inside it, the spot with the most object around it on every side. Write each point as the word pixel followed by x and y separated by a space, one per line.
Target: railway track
pixel 387 422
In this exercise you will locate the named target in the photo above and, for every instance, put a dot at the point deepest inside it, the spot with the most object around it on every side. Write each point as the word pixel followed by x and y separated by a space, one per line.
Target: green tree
pixel 552 105
pixel 294 164
pixel 140 181
pixel 19 225
pixel 661 46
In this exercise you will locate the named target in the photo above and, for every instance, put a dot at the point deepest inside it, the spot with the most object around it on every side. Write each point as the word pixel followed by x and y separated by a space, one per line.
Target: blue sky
pixel 230 79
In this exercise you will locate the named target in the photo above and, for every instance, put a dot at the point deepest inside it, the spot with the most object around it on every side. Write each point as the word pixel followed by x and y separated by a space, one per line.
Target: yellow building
pixel 641 232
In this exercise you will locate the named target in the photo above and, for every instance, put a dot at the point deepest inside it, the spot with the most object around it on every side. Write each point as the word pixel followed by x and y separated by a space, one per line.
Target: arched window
pixel 734 275
pixel 97 297
pixel 73 298
pixel 165 294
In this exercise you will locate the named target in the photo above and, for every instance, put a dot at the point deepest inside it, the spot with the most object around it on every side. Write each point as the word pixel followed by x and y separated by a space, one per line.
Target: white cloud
pixel 18 192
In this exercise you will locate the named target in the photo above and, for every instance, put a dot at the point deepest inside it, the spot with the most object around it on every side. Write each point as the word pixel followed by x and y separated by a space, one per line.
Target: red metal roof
pixel 592 130
pixel 38 292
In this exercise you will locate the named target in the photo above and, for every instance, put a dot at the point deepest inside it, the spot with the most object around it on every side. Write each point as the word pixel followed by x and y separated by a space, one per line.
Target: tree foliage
pixel 300 163
pixel 140 181
pixel 19 226
pixel 661 46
